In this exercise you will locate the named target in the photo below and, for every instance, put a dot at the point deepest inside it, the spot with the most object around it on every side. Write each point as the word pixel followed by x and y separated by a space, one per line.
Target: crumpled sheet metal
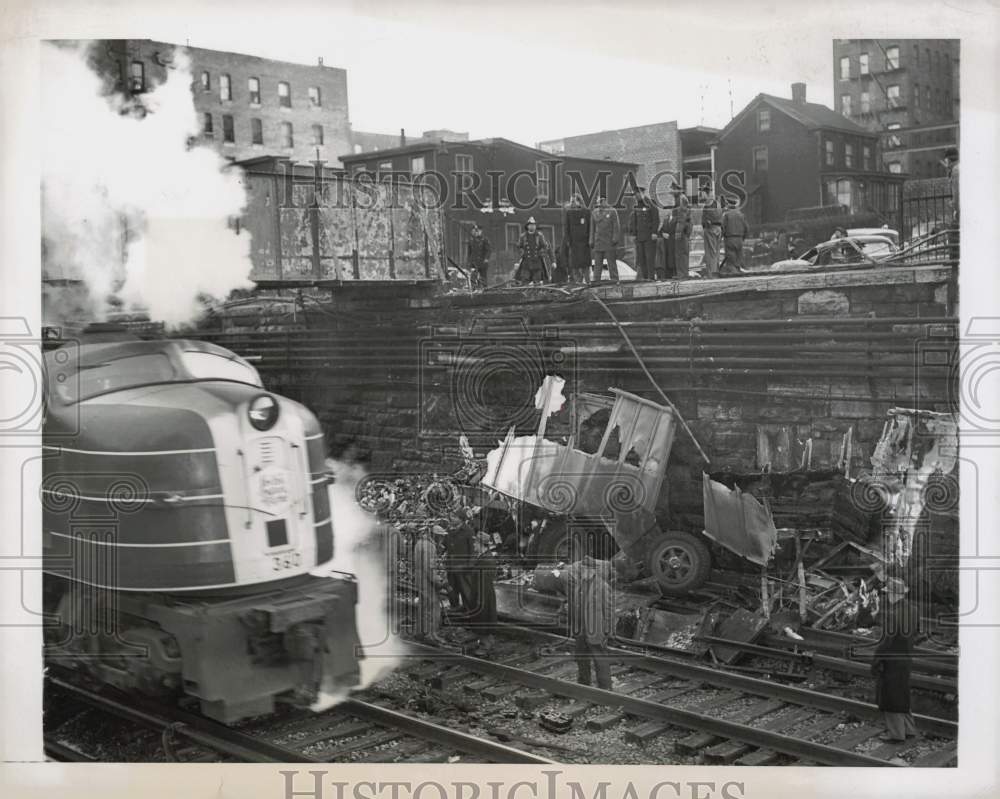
pixel 739 522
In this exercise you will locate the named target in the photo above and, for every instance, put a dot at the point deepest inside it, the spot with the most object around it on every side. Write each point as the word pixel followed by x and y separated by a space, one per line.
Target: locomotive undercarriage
pixel 237 654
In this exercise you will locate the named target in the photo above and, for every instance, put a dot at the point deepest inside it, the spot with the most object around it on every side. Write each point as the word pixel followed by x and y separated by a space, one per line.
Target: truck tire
pixel 680 562
pixel 560 543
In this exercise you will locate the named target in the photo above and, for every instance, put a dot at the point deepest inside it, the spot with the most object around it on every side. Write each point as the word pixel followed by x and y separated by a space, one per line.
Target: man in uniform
pixel 893 660
pixel 711 226
pixel 458 565
pixel 734 230
pixel 477 256
pixel 643 224
pixel 535 255
pixel 605 234
pixel 591 617
pixel 427 583
pixel 576 239
pixel 681 242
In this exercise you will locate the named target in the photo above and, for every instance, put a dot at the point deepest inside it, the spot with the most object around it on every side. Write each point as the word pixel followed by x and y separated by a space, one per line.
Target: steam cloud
pixel 128 207
pixel 354 552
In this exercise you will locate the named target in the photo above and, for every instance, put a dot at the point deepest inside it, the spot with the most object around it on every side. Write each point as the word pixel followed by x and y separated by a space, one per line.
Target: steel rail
pixel 64 754
pixel 645 708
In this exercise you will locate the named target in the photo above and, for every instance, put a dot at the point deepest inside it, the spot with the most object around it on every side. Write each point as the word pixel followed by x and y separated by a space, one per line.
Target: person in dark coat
pixel 484 613
pixel 576 239
pixel 605 236
pixel 426 584
pixel 734 230
pixel 711 227
pixel 893 660
pixel 461 577
pixel 681 241
pixel 535 256
pixel 665 256
pixel 477 256
pixel 643 224
pixel 591 617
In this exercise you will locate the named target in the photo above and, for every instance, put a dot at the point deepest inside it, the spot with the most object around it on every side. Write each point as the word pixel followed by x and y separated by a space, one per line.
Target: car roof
pixel 867 239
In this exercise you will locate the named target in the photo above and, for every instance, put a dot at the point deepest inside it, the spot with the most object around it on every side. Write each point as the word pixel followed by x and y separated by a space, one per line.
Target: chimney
pixel 402 137
pixel 798 93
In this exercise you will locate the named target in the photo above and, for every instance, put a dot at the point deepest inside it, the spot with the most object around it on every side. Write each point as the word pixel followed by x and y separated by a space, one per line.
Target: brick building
pixel 906 89
pixel 247 106
pixel 366 142
pixel 498 184
pixel 795 154
pixel 658 149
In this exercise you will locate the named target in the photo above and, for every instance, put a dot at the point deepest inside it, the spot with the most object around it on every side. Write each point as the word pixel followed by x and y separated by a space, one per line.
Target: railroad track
pixel 352 731
pixel 713 716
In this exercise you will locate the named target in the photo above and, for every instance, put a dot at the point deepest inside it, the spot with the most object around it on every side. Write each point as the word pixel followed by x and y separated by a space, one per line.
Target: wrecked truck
pixel 610 470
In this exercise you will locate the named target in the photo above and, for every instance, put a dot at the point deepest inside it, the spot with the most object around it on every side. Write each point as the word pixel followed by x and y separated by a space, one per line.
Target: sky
pixel 535 71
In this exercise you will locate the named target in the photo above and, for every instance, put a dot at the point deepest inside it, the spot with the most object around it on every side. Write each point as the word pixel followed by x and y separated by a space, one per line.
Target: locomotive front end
pixel 189 506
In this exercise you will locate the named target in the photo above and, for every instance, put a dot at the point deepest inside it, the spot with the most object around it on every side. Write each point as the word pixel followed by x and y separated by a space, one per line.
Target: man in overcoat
pixel 643 224
pixel 893 660
pixel 591 618
pixel 605 236
pixel 576 239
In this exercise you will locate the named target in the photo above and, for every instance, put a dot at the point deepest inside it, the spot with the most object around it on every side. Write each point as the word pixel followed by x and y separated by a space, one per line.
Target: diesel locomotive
pixel 187 524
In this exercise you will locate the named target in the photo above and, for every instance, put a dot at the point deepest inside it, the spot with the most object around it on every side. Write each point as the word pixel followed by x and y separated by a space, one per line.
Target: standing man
pixel 668 228
pixel 643 223
pixel 951 166
pixel 458 565
pixel 605 235
pixel 893 660
pixel 734 231
pixel 682 237
pixel 535 256
pixel 711 227
pixel 576 238
pixel 426 582
pixel 591 618
pixel 477 256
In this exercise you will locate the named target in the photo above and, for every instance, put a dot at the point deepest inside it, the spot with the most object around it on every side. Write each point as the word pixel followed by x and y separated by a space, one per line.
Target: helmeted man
pixel 734 230
pixel 576 239
pixel 477 255
pixel 711 227
pixel 644 222
pixel 605 236
pixel 535 255
pixel 893 660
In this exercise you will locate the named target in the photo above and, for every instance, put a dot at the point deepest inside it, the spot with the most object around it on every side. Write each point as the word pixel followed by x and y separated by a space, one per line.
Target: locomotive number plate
pixel 272 487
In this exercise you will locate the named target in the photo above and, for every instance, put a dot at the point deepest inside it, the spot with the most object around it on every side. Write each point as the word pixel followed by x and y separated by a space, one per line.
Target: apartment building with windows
pixel 905 89
pixel 247 106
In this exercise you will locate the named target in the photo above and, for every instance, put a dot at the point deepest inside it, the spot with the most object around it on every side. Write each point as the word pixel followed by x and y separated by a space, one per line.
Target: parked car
pixel 847 251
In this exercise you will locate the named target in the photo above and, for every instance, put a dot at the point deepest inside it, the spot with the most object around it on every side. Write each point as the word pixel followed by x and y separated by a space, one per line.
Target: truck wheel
pixel 561 542
pixel 680 562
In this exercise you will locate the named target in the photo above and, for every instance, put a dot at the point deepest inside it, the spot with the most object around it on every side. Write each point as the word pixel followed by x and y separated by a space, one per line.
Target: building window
pixel 895 167
pixel 829 152
pixel 137 73
pixel 937 61
pixel 317 131
pixel 866 158
pixel 892 95
pixel 512 235
pixel 284 95
pixel 916 97
pixel 927 52
pixel 463 163
pixel 225 88
pixel 927 97
pixel 256 131
pixel 839 192
pixel 894 141
pixel 916 55
pixel 228 134
pixel 759 159
pixel 417 165
pixel 947 104
pixel 863 63
pixel 253 89
pixel 206 81
pixel 892 58
pixel 287 136
pixel 849 156
pixel 385 168
pixel 845 104
pixel 866 103
pixel 315 100
pixel 206 125
pixel 357 149
pixel 544 187
pixel 763 120
pixel 937 101
pixel 845 67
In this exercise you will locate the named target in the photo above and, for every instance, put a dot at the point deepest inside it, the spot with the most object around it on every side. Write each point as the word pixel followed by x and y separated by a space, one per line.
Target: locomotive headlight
pixel 263 412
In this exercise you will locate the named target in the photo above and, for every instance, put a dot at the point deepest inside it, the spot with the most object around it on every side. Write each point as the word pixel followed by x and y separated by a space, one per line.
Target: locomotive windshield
pixel 209 366
pixel 116 374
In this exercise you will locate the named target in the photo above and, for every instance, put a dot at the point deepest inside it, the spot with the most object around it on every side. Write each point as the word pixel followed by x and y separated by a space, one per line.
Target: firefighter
pixel 477 256
pixel 535 256
pixel 644 223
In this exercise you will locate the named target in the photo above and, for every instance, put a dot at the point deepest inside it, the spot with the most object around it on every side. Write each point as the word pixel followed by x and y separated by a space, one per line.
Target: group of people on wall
pixel 593 239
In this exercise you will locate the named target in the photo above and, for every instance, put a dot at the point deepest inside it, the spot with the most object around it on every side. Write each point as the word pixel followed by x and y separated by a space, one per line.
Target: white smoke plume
pixel 128 206
pixel 355 552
